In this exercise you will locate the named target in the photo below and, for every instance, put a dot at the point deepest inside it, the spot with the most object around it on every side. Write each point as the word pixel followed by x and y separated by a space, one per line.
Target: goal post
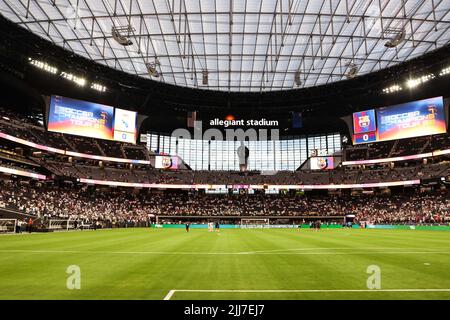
pixel 249 223
pixel 58 224
pixel 63 224
pixel 8 225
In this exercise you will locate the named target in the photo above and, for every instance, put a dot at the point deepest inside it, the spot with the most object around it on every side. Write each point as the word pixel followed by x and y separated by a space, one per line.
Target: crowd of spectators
pixel 146 174
pixel 75 204
pixel 398 148
pixel 6 163
pixel 34 132
pixel 89 205
pixel 414 209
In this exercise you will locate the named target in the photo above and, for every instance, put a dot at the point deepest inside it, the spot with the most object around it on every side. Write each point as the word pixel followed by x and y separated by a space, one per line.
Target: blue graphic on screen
pixel 364 121
pixel 79 117
pixel 413 119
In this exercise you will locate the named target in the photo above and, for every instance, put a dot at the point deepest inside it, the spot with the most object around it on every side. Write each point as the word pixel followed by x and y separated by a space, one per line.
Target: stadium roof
pixel 240 45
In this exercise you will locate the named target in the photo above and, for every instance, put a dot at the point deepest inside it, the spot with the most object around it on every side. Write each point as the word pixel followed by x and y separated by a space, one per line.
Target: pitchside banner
pixel 81 118
pixel 413 119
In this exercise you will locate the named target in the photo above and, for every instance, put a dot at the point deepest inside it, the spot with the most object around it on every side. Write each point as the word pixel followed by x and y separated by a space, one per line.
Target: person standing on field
pixel 30 225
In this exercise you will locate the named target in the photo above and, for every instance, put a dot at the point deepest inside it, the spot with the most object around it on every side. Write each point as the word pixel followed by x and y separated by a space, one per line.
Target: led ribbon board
pixel 22 173
pixel 278 187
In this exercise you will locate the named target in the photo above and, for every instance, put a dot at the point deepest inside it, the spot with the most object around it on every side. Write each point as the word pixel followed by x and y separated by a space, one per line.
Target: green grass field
pixel 232 264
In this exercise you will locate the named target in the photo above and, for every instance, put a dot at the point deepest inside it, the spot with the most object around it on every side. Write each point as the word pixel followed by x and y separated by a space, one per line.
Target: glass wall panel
pixel 286 154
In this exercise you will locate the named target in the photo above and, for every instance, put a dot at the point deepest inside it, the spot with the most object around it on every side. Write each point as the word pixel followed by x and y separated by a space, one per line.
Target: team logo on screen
pixel 364 120
pixel 125 123
pixel 103 117
pixel 322 163
pixel 432 109
pixel 166 162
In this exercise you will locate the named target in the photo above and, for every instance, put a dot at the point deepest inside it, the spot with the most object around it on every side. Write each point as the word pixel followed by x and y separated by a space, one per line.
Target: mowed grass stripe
pixel 122 264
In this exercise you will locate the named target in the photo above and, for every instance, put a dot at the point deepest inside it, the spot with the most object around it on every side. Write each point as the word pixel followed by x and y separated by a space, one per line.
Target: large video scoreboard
pixel 407 120
pixel 89 119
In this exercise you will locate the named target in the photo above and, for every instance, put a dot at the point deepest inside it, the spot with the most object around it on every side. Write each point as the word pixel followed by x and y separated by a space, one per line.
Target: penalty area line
pixel 173 291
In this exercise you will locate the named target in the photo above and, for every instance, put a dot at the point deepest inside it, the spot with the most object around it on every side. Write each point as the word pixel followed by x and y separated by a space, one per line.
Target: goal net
pixel 56 224
pixel 8 225
pixel 254 223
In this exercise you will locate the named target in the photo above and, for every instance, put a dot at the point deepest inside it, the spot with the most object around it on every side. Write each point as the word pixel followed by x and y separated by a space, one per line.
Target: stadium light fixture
pixel 151 68
pixel 444 71
pixel 353 70
pixel 97 86
pixel 412 83
pixel 43 65
pixel 118 34
pixel 297 80
pixel 398 37
pixel 393 88
pixel 78 80
pixel 205 77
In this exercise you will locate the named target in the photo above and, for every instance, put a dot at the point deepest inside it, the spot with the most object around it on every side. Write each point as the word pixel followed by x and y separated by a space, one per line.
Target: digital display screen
pixel 364 121
pixel 166 162
pixel 365 137
pixel 413 119
pixel 407 120
pixel 81 118
pixel 322 163
pixel 89 119
pixel 125 125
pixel 124 137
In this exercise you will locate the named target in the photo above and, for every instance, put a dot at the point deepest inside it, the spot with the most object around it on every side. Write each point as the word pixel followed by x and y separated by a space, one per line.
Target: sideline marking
pixel 169 295
pixel 173 291
pixel 280 252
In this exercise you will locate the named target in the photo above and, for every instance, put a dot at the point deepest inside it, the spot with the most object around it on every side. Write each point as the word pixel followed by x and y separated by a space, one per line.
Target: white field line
pixel 169 295
pixel 331 249
pixel 304 251
pixel 173 291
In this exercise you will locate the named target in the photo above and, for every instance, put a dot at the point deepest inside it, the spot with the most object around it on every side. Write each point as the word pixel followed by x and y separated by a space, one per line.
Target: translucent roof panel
pixel 240 45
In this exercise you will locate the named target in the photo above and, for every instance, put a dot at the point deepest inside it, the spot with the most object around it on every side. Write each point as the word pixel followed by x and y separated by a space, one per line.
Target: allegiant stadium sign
pixel 239 123
pixel 238 134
